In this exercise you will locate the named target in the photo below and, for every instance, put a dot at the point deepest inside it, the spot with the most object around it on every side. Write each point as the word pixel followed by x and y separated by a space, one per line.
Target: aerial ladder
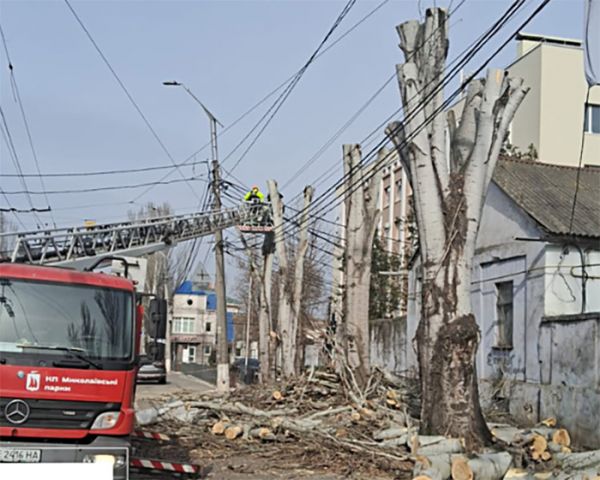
pixel 83 246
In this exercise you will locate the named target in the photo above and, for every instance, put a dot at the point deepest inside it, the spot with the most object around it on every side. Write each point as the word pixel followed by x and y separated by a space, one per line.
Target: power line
pixel 275 90
pixel 472 51
pixel 361 109
pixel 6 135
pixel 344 127
pixel 25 210
pixel 100 189
pixel 577 179
pixel 14 212
pixel 515 7
pixel 130 97
pixel 286 93
pixel 337 134
pixel 17 92
pixel 101 172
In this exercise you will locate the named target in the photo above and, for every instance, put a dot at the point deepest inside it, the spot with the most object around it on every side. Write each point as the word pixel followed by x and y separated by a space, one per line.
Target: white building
pixel 536 297
pixel 194 324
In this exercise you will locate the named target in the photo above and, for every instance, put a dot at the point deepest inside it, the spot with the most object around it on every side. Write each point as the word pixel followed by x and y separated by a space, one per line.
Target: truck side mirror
pixel 139 318
pixel 157 328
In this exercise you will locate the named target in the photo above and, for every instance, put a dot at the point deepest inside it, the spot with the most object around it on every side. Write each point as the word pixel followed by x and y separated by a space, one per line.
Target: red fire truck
pixel 69 344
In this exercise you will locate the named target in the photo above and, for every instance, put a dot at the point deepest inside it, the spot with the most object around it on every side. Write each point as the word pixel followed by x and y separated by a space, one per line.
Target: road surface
pixel 176 382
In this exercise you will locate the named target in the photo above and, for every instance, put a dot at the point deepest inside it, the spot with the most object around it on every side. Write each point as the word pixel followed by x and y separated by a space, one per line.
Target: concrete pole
pixel 222 353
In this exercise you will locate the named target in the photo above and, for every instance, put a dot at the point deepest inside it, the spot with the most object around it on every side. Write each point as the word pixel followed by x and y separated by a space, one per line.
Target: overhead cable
pixel 130 97
pixel 288 90
pixel 480 43
pixel 100 189
pixel 101 172
pixel 275 90
pixel 17 93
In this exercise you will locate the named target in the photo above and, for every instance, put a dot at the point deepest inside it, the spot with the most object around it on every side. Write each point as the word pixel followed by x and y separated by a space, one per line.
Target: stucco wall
pixel 564 284
pixel 389 343
pixel 525 127
pixel 553 368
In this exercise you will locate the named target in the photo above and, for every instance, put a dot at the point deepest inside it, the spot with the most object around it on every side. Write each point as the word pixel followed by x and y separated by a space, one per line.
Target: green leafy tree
pixel 385 290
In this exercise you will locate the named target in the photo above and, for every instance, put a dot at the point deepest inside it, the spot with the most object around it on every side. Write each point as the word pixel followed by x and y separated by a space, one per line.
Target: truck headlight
pixel 106 420
pixel 117 461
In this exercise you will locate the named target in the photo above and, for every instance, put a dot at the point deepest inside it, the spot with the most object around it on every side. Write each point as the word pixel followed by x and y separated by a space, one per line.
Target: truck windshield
pixel 95 321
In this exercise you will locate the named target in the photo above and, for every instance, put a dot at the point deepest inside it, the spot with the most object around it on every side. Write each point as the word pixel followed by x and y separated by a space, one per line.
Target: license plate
pixel 20 455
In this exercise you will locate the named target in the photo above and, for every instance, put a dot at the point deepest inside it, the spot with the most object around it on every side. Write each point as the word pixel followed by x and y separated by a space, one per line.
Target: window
pixel 208 327
pixel 96 320
pixel 207 350
pixel 504 314
pixel 183 325
pixel 592 119
pixel 388 191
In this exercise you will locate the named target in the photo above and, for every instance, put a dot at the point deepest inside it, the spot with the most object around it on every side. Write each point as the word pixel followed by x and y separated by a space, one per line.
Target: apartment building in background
pixel 194 322
pixel 393 205
pixel 558 105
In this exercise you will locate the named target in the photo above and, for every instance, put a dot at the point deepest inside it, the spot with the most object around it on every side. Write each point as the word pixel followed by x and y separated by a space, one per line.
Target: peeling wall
pixel 389 343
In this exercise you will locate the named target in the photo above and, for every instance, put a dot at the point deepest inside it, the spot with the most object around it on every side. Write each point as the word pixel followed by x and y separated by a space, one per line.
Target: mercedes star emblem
pixel 17 412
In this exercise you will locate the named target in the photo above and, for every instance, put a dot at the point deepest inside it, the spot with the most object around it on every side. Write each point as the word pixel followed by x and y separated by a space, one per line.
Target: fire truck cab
pixel 69 345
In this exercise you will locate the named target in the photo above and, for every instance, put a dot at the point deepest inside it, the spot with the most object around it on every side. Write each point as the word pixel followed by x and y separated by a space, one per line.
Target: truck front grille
pixel 55 413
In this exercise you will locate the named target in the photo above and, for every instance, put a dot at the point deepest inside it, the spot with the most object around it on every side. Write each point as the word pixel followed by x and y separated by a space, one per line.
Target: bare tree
pixel 164 268
pixel 360 203
pixel 288 313
pixel 448 202
pixel 260 300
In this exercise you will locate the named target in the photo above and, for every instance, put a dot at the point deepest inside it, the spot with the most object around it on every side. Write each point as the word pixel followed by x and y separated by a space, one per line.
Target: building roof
pixel 188 287
pixel 545 192
pixel 534 37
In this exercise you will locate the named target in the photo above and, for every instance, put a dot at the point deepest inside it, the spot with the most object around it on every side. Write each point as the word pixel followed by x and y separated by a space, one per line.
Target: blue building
pixel 194 323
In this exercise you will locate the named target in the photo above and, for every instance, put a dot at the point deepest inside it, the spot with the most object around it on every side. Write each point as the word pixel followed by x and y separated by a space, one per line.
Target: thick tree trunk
pixel 301 250
pixel 290 292
pixel 446 347
pixel 264 318
pixel 448 200
pixel 361 221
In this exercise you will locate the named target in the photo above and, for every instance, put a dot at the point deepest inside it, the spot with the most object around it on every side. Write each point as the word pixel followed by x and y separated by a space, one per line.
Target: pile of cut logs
pixel 542 452
pixel 378 424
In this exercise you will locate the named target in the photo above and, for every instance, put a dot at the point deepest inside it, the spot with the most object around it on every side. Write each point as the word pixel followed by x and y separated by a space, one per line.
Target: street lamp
pixel 222 353
pixel 174 83
pixel 213 120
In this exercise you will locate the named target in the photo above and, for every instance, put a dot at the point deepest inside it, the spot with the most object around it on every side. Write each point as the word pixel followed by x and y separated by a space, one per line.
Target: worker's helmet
pixel 254 187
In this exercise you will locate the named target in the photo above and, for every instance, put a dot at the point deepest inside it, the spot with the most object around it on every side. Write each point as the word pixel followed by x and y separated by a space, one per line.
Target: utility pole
pixel 222 353
pixel 248 314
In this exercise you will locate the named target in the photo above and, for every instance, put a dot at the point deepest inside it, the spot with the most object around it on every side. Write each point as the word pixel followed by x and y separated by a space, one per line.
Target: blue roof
pixel 187 288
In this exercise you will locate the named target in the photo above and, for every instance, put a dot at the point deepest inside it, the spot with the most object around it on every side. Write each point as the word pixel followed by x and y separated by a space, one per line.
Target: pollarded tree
pixel 449 189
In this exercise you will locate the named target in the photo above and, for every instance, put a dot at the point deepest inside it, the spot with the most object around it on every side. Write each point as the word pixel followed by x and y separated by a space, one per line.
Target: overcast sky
pixel 230 53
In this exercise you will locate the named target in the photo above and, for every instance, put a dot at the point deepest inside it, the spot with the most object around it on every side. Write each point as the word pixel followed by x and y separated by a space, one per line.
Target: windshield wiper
pixel 75 351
